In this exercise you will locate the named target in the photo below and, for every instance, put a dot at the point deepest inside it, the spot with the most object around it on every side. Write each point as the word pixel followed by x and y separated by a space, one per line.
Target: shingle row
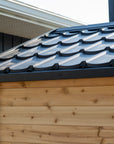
pixel 62 49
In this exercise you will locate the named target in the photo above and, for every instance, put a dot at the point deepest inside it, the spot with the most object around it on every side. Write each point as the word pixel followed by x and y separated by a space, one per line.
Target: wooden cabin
pixel 59 88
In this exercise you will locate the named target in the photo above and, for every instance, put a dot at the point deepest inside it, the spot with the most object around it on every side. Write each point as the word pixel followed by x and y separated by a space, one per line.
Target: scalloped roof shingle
pixel 76 52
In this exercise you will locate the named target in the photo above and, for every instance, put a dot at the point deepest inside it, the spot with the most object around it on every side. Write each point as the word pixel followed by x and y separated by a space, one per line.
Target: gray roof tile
pixel 77 48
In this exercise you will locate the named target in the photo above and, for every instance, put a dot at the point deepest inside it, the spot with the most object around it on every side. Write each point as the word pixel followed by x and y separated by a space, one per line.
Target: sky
pixel 83 11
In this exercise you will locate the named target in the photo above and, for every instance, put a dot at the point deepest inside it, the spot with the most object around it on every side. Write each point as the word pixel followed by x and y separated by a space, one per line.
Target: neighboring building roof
pixel 75 52
pixel 27 21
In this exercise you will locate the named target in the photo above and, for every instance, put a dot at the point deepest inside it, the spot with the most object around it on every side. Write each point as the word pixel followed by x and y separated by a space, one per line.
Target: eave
pixel 34 16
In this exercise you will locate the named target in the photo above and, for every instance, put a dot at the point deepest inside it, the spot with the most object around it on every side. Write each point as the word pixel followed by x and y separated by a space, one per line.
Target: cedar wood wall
pixel 77 111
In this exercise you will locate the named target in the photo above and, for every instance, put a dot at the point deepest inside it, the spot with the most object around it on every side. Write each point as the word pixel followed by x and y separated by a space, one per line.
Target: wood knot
pixel 46 91
pixel 56 120
pixel 11 104
pixel 23 85
pixel 65 90
pixel 49 133
pixel 32 117
pixel 4 115
pixel 112 116
pixel 25 98
pixel 95 100
pixel 83 90
pixel 68 136
pixel 40 136
pixel 73 113
pixel 48 106
pixel 23 131
pixel 12 134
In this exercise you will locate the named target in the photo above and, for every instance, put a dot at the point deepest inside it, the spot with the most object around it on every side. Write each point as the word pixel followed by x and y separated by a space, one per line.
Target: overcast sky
pixel 84 11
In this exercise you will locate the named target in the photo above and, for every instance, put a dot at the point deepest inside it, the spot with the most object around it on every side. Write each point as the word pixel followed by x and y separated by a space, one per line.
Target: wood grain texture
pixel 62 141
pixel 59 115
pixel 77 111
pixel 17 143
pixel 42 130
pixel 107 132
pixel 108 141
pixel 14 143
pixel 47 134
pixel 107 81
pixel 70 96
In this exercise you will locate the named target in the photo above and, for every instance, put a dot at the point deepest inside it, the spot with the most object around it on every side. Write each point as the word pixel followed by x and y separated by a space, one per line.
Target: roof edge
pixel 100 25
pixel 58 74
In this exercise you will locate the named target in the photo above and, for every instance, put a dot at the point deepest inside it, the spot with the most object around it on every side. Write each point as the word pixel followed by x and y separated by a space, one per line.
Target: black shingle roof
pixel 75 52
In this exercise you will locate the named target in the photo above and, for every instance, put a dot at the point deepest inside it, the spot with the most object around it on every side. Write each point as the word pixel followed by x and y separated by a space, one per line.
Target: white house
pixel 25 22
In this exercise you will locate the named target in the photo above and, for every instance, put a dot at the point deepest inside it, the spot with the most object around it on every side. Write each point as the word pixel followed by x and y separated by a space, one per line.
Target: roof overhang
pixel 32 21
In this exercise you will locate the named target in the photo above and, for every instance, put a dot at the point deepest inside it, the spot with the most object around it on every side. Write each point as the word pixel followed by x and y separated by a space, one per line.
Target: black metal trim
pixel 58 74
pixel 93 26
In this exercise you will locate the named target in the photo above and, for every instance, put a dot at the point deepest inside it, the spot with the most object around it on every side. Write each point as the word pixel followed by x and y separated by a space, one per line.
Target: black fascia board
pixel 58 74
pixel 92 26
